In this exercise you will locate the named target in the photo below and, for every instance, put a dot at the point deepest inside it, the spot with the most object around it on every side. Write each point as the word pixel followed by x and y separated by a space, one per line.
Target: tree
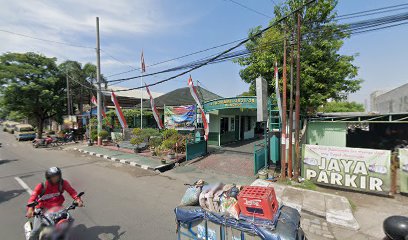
pixel 32 86
pixel 325 74
pixel 341 107
pixel 81 81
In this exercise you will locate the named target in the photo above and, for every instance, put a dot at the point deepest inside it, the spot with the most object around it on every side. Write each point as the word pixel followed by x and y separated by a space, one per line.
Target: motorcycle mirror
pixel 80 194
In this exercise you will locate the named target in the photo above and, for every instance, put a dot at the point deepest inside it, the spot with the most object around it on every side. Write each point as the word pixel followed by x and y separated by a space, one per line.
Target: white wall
pixel 394 101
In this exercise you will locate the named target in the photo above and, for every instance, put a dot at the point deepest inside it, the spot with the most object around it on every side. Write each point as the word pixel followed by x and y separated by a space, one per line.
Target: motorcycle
pixel 56 222
pixel 44 142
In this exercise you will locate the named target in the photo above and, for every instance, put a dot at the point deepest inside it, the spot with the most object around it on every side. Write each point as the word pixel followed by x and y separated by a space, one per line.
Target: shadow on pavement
pixel 7 161
pixel 8 195
pixel 96 232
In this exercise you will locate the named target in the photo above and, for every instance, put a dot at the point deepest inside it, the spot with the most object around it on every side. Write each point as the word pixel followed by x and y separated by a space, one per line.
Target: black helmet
pixel 52 171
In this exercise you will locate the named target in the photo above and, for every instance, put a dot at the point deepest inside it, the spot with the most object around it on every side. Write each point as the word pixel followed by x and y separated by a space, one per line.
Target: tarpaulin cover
pixel 285 225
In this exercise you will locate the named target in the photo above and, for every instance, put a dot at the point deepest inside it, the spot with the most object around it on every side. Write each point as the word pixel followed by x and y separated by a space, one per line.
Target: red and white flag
pixel 119 112
pixel 142 62
pixel 154 109
pixel 95 102
pixel 194 94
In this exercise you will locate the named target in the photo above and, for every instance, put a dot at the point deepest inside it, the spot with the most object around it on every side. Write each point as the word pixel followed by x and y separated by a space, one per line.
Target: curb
pixel 123 161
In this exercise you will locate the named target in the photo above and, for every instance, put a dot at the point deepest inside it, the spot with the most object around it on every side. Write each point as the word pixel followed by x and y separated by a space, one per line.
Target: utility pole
pixel 98 80
pixel 297 107
pixel 290 150
pixel 283 136
pixel 68 95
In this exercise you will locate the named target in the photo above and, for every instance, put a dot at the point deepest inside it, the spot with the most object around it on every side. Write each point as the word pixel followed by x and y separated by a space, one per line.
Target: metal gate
pixel 195 149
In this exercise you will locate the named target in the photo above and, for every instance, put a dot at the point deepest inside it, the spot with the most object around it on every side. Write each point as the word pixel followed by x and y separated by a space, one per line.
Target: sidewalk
pixel 124 157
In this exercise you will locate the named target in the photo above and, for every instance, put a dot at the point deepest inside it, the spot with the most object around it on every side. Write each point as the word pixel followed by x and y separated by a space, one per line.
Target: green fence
pixel 195 149
pixel 259 157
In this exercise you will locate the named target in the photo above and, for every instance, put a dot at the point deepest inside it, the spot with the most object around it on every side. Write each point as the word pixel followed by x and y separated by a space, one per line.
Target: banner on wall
pixel 358 169
pixel 403 159
pixel 180 117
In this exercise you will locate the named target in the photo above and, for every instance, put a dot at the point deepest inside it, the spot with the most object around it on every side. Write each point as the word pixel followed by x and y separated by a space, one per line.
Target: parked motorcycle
pixel 41 142
pixel 56 222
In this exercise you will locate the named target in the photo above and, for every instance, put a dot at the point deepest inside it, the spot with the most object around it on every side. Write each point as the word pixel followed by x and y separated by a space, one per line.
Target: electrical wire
pixel 355 28
pixel 224 52
pixel 341 17
pixel 250 9
pixel 46 40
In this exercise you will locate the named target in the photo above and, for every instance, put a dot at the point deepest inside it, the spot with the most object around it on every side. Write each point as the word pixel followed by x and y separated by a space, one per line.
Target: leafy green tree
pixel 341 107
pixel 32 86
pixel 325 73
pixel 81 79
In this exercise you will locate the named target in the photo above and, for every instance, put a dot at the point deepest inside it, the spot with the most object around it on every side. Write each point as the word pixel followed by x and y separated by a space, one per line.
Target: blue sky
pixel 166 29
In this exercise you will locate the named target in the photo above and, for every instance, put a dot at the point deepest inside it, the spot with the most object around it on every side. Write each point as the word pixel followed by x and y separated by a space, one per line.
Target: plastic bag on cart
pixel 191 196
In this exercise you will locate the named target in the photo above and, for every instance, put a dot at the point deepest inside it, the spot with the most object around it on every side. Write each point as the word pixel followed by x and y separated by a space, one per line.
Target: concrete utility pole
pixel 297 107
pixel 283 136
pixel 68 95
pixel 290 150
pixel 98 80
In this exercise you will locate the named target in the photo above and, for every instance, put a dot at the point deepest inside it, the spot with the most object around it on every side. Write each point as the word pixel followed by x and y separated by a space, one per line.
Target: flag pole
pixel 141 101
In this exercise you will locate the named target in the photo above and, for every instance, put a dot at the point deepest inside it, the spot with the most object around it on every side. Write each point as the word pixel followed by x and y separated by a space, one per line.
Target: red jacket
pixel 52 196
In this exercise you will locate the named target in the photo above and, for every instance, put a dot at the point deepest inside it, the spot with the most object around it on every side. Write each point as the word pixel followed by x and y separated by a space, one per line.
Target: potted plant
pixel 154 143
pixel 104 135
pixel 137 139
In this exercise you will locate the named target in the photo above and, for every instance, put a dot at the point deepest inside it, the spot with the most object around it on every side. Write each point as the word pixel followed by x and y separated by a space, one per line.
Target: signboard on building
pixel 261 99
pixel 180 117
pixel 236 102
pixel 359 169
pixel 403 159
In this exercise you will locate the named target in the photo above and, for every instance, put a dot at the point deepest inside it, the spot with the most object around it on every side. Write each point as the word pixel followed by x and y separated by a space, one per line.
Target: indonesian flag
pixel 94 102
pixel 154 109
pixel 119 112
pixel 194 94
pixel 277 92
pixel 142 61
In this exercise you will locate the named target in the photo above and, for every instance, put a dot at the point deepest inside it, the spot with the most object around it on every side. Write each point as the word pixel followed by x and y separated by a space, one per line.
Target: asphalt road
pixel 121 202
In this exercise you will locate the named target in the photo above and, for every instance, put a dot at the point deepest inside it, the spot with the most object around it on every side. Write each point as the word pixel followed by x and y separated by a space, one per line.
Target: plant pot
pixel 171 156
pixel 163 161
pixel 90 143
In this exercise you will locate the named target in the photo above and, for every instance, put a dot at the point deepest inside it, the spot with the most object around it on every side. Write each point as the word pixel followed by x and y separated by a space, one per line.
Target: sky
pixel 165 29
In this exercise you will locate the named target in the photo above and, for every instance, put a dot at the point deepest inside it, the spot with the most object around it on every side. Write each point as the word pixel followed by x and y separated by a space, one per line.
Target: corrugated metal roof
pixel 132 93
pixel 182 96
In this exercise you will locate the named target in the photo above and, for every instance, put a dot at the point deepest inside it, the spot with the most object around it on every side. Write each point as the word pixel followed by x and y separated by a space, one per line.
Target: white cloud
pixel 74 21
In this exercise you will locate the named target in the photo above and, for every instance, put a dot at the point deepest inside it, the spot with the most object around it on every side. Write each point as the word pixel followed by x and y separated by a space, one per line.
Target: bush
pixel 155 141
pixel 168 133
pixel 94 134
pixel 141 135
pixel 169 143
pixel 103 134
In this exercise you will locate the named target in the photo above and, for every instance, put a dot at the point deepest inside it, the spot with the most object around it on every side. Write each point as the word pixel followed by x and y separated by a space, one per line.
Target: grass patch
pixel 307 184
pixel 352 205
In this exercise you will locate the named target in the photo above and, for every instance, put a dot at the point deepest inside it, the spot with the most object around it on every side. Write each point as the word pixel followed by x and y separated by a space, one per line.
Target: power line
pixel 47 40
pixel 177 58
pixel 341 17
pixel 224 52
pixel 355 28
pixel 372 10
pixel 251 9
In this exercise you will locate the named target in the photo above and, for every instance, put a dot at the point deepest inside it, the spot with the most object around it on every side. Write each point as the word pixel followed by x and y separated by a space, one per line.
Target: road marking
pixel 24 185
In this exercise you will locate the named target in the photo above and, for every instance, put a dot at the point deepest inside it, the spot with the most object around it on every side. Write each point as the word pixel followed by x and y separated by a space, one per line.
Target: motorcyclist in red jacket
pixel 48 195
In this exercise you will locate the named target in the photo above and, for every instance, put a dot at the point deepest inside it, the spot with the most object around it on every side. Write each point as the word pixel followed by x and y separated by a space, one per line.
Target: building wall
pixel 327 133
pixel 394 101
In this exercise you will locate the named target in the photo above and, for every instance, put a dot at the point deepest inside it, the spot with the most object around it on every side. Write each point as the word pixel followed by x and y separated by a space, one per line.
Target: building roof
pixel 182 96
pixel 132 93
pixel 127 99
pixel 372 117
